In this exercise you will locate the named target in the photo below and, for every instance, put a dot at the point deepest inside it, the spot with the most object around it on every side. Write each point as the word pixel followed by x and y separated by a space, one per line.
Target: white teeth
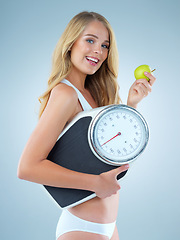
pixel 92 59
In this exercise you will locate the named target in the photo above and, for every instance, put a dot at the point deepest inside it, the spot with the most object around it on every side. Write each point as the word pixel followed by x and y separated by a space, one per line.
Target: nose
pixel 97 49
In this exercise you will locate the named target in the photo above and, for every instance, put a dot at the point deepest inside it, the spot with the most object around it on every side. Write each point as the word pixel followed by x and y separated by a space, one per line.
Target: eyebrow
pixel 92 35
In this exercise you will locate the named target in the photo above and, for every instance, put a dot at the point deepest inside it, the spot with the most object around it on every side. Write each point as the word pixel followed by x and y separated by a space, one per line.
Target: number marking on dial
pixel 112 141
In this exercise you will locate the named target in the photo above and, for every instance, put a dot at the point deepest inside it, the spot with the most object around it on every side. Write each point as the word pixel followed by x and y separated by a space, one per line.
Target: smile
pixel 92 61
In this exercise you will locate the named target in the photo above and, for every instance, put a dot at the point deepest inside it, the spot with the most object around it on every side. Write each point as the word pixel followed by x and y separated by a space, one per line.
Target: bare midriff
pixel 98 210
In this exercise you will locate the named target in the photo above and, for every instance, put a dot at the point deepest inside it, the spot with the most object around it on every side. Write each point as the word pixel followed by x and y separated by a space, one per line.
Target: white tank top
pixel 85 105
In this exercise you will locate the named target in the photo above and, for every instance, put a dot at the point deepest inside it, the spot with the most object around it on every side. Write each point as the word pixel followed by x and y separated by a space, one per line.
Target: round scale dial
pixel 118 134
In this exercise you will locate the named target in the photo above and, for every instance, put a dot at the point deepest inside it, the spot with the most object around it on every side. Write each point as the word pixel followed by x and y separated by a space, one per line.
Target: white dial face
pixel 119 135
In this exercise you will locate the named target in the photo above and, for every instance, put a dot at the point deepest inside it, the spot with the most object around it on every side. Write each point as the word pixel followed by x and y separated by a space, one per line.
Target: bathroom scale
pixel 97 141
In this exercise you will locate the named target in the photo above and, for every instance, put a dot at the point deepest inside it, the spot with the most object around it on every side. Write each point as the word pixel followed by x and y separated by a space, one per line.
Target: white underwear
pixel 69 222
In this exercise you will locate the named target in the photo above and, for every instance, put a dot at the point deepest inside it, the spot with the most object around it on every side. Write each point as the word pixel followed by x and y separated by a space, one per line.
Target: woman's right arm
pixel 34 165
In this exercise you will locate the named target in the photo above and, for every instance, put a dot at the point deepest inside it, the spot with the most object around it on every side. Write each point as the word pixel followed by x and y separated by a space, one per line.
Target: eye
pixel 90 41
pixel 105 46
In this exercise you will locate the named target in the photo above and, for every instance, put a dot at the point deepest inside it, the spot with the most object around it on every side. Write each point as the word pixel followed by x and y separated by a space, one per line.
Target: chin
pixel 92 72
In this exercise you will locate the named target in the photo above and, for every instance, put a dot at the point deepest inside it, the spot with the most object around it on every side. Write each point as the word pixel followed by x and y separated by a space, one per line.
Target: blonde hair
pixel 103 84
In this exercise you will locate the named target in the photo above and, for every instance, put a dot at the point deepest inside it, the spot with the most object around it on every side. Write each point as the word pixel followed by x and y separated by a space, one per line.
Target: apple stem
pixel 153 70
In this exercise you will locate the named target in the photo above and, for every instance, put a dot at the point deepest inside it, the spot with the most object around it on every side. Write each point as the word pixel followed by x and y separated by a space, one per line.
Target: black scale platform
pixel 72 151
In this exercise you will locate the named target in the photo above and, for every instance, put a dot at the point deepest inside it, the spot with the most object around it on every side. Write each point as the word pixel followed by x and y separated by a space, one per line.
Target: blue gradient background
pixel 147 32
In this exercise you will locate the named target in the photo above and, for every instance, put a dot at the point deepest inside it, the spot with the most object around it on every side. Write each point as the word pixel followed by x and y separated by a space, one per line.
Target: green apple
pixel 139 72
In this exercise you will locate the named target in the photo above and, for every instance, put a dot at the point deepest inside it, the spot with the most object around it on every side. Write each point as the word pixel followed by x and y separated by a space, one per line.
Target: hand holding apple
pixel 142 86
pixel 139 72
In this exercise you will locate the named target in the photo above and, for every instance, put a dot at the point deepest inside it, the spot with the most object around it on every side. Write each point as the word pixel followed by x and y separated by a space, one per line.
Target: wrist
pixel 130 104
pixel 93 183
pixel 90 182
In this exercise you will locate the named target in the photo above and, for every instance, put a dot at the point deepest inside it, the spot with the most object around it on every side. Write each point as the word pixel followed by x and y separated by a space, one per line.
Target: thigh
pixel 115 235
pixel 80 235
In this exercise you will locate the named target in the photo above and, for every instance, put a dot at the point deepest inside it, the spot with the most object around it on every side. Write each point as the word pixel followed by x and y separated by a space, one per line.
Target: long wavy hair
pixel 103 84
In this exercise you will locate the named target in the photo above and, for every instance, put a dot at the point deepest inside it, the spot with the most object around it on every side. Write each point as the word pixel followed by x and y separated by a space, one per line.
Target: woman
pixel 84 76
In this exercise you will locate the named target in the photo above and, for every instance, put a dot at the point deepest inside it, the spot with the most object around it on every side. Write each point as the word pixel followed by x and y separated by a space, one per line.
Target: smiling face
pixel 91 49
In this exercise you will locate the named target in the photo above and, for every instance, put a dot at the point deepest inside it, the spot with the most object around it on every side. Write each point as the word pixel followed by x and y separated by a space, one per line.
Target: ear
pixel 70 48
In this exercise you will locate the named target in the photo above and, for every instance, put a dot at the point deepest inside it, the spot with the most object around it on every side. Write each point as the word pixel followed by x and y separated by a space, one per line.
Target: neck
pixel 77 79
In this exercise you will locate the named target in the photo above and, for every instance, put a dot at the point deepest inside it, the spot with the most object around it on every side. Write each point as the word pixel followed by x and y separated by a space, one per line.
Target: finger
pixel 142 89
pixel 145 83
pixel 152 79
pixel 121 169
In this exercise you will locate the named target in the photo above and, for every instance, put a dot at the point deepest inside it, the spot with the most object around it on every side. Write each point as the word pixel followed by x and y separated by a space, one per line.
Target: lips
pixel 92 60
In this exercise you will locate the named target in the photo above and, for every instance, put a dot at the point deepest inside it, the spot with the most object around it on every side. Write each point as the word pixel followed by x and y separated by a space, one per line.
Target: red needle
pixel 112 138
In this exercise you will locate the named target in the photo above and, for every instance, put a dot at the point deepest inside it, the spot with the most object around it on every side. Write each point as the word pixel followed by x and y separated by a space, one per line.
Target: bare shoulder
pixel 61 106
pixel 64 91
pixel 63 99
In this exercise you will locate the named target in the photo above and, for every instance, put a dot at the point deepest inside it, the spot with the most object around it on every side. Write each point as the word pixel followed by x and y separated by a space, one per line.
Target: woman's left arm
pixel 140 89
